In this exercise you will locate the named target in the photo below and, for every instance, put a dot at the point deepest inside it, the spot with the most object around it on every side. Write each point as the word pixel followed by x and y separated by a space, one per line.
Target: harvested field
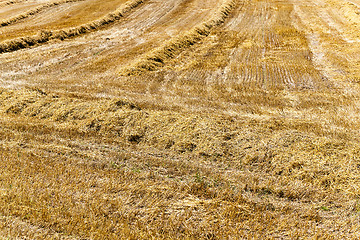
pixel 179 119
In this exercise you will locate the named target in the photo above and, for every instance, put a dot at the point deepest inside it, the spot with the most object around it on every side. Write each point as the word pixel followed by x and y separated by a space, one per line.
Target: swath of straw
pixel 45 36
pixel 33 11
pixel 11 2
pixel 156 58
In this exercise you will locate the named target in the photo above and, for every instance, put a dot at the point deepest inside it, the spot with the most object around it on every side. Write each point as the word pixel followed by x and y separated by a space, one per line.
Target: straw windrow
pixel 33 11
pixel 206 135
pixel 45 36
pixel 170 49
pixel 252 132
pixel 11 2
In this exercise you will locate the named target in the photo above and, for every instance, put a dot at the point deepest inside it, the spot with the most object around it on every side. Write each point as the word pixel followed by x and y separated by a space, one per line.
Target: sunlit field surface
pixel 179 119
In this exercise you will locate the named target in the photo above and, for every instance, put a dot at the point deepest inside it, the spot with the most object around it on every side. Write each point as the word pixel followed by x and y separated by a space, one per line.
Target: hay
pixel 11 2
pixel 45 36
pixel 205 135
pixel 119 118
pixel 156 58
pixel 238 160
pixel 32 12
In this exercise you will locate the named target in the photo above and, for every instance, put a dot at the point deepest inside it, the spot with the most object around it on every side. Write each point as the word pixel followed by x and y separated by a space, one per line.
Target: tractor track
pixel 179 119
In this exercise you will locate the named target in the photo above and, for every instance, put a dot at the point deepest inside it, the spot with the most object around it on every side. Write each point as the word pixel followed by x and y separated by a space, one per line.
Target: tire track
pixel 139 32
pixel 331 38
pixel 83 64
pixel 207 139
pixel 261 50
pixel 148 33
pixel 261 45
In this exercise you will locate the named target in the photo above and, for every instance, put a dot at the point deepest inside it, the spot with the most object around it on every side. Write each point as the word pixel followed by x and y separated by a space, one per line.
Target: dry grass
pixel 156 58
pixel 243 127
pixel 10 2
pixel 185 174
pixel 31 12
pixel 45 36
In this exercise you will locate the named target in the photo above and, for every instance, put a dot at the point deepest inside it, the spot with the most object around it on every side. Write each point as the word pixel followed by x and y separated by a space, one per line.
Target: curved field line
pixel 31 12
pixel 157 58
pixel 122 41
pixel 11 2
pixel 45 36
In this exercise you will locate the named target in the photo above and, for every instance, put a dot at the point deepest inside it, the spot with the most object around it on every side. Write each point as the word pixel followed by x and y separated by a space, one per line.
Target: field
pixel 179 119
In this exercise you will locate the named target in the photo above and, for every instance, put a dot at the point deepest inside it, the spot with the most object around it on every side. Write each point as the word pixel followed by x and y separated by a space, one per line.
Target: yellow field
pixel 179 119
